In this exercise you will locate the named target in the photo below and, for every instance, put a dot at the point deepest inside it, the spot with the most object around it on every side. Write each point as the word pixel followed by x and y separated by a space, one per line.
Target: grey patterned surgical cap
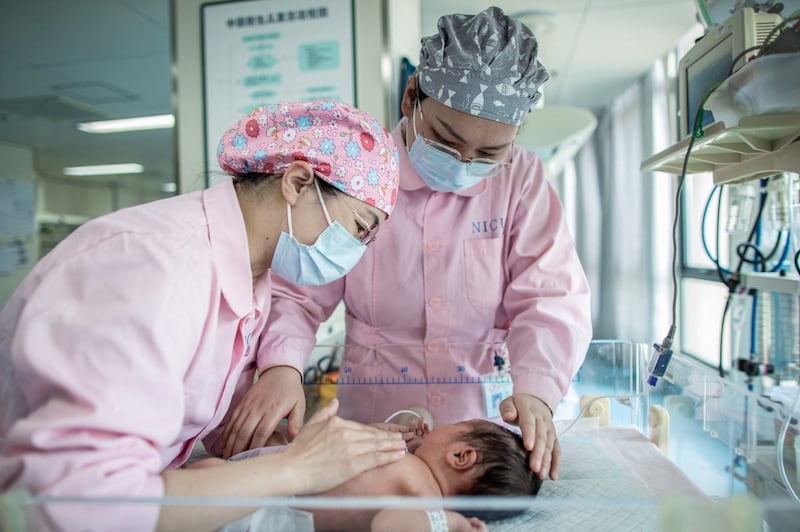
pixel 484 65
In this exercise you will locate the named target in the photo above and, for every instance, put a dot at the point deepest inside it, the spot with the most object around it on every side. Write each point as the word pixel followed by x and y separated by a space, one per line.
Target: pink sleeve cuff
pixel 541 386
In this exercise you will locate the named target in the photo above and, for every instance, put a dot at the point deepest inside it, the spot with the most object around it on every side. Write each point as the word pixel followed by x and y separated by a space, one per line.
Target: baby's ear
pixel 461 457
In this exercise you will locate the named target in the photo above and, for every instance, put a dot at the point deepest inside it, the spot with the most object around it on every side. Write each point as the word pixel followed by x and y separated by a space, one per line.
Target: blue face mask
pixel 442 171
pixel 335 253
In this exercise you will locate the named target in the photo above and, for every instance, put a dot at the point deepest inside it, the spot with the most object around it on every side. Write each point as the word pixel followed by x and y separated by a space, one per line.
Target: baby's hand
pixel 412 433
pixel 413 423
pixel 405 430
pixel 418 428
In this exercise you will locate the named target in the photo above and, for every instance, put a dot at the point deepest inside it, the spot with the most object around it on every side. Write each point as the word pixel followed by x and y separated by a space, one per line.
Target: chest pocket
pixel 483 271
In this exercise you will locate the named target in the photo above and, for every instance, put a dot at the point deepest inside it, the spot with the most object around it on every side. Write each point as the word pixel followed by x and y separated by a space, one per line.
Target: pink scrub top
pixel 121 349
pixel 448 275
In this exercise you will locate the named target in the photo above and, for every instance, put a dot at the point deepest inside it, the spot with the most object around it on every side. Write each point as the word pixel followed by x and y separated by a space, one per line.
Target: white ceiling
pixel 61 62
pixel 592 49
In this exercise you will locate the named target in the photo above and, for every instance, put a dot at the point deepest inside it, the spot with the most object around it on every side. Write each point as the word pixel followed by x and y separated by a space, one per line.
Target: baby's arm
pixel 402 519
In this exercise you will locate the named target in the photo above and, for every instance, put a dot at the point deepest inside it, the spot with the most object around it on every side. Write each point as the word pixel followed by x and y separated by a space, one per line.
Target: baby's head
pixel 502 465
pixel 492 457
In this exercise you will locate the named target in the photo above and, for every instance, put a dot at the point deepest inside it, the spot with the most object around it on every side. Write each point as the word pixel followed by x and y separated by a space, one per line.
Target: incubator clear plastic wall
pixel 695 452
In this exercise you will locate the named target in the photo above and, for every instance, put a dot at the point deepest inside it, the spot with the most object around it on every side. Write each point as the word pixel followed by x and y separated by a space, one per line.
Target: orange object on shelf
pixel 327 388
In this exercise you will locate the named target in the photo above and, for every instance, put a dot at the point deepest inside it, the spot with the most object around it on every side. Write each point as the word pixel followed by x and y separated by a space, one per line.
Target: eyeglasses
pixel 476 166
pixel 366 233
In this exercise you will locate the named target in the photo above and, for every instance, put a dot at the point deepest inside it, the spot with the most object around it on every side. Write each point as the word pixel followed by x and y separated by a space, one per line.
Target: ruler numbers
pixel 349 376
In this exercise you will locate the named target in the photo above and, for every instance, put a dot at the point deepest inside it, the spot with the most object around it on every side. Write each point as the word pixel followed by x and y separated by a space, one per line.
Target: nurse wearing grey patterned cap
pixel 484 65
pixel 475 275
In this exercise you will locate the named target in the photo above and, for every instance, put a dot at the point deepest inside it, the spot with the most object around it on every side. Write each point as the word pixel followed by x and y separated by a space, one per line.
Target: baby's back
pixel 409 477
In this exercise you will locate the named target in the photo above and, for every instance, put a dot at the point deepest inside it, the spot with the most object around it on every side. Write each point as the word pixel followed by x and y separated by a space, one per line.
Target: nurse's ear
pixel 298 177
pixel 409 97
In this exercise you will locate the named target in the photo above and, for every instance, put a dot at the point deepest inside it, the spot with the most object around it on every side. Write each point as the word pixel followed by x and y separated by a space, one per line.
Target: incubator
pixel 695 451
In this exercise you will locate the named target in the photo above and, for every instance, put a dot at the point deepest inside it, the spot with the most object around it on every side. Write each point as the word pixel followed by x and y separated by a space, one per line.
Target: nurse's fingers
pixel 555 463
pixel 326 428
pixel 547 455
pixel 539 448
pixel 331 451
pixel 295 417
pixel 508 410
pixel 325 413
pixel 233 423
pixel 261 434
pixel 238 439
pixel 542 459
pixel 528 425
pixel 394 427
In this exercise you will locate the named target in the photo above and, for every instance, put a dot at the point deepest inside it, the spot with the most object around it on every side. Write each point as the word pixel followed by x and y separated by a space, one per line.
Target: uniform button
pixel 434 246
pixel 432 346
pixel 436 400
pixel 435 302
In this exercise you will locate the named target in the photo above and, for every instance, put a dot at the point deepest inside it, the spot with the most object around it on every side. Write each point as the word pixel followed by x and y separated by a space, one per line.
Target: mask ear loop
pixel 322 202
pixel 324 209
pixel 417 105
pixel 414 117
pixel 289 217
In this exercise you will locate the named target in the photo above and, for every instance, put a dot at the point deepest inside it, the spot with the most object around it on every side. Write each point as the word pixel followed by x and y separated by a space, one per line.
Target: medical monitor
pixel 709 61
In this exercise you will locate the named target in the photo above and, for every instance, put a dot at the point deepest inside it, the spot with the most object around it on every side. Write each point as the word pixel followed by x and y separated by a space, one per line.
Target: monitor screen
pixel 702 75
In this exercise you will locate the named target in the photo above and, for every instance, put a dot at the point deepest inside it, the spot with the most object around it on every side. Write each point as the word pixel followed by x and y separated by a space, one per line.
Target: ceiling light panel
pixel 139 123
pixel 104 169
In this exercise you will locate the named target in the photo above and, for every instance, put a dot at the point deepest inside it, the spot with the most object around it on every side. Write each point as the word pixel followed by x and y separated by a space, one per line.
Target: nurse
pixel 477 251
pixel 125 345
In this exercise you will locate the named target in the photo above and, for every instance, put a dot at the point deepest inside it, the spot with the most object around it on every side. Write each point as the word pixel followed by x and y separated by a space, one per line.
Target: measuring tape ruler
pixel 352 374
pixel 348 378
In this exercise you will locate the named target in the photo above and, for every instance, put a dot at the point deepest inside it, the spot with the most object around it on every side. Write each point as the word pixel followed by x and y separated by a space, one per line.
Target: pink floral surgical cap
pixel 348 148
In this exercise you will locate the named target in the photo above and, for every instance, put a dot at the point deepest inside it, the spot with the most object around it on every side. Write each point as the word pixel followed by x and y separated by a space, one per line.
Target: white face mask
pixel 331 257
pixel 443 171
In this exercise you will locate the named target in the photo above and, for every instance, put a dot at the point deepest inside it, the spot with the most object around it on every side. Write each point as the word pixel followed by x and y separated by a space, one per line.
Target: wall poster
pixel 266 51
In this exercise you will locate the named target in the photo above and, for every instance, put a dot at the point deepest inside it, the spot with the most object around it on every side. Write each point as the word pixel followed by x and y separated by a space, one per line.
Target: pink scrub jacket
pixel 121 349
pixel 447 273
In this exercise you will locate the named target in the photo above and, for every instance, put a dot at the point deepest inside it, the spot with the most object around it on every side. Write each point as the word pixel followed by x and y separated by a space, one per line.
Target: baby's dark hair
pixel 503 467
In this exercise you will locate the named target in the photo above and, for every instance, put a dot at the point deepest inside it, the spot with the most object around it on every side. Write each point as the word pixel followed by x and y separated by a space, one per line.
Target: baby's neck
pixel 421 480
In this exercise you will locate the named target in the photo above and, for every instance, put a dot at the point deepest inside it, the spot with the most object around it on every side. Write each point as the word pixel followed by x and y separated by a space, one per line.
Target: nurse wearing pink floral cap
pixel 127 344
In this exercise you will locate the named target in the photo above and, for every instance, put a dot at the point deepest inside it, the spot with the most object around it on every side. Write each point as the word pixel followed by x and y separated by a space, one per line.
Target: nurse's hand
pixel 330 450
pixel 535 420
pixel 277 394
pixel 413 432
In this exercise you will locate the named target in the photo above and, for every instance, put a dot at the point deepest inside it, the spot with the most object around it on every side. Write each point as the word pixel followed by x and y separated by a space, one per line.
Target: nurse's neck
pixel 261 207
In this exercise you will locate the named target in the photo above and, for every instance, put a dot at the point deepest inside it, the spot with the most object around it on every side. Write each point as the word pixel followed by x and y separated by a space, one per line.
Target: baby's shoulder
pixel 414 478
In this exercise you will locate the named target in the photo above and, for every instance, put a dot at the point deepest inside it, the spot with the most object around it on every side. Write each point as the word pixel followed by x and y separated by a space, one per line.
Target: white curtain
pixel 623 217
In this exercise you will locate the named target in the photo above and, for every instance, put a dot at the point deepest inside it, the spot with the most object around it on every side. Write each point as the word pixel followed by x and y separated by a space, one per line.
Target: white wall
pixel 17 164
pixel 74 198
pixel 404 22
pixel 87 199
